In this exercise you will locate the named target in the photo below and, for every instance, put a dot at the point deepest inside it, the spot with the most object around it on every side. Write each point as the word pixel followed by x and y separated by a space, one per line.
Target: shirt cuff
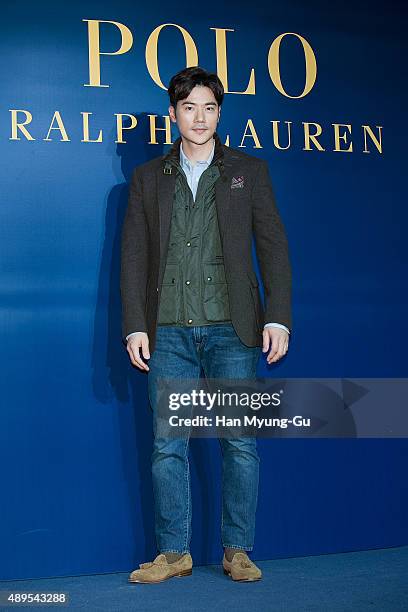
pixel 132 334
pixel 277 325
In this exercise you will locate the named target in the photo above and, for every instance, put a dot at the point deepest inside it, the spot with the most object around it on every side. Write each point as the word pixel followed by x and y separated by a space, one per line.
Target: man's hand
pixel 278 339
pixel 135 342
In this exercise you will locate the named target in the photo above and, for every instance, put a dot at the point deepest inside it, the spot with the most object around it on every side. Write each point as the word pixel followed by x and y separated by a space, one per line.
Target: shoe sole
pixel 182 573
pixel 227 573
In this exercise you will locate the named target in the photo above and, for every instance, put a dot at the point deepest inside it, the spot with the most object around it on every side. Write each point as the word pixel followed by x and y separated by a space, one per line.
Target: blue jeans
pixel 181 352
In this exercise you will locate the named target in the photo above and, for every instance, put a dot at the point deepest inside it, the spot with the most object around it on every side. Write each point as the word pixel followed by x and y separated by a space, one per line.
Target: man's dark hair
pixel 182 83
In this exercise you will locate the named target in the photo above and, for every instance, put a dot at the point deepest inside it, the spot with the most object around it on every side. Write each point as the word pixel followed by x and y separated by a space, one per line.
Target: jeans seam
pixel 249 531
pixel 222 488
pixel 187 472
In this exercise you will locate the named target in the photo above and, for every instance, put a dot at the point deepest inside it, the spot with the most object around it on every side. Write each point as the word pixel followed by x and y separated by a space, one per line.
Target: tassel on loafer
pixel 159 569
pixel 241 568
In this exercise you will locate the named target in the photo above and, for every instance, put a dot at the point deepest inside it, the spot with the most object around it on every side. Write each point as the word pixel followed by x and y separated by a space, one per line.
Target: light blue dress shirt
pixel 193 173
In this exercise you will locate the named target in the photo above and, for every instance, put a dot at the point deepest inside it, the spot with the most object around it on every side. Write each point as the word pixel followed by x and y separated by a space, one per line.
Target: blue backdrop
pixel 75 423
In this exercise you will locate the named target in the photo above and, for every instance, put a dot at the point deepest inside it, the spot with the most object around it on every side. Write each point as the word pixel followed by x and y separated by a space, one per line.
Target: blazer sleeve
pixel 272 249
pixel 134 261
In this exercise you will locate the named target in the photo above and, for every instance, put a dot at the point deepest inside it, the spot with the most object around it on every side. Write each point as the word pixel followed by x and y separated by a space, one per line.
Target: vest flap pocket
pixel 216 303
pixel 169 307
pixel 214 273
pixel 171 274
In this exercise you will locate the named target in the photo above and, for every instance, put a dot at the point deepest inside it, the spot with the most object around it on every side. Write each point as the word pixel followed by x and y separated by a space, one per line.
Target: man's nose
pixel 200 115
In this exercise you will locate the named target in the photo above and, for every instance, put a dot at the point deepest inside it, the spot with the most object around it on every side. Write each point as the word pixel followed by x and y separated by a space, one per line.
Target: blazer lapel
pixel 223 197
pixel 165 195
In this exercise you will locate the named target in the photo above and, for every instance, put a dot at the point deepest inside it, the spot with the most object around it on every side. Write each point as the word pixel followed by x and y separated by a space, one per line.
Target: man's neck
pixel 196 152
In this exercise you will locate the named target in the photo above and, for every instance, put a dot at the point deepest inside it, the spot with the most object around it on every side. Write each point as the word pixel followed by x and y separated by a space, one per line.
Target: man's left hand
pixel 278 340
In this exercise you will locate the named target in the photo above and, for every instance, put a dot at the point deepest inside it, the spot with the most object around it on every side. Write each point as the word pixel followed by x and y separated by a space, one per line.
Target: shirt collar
pixel 184 159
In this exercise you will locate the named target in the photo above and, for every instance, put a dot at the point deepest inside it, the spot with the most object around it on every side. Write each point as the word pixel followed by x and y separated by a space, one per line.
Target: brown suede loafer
pixel 241 568
pixel 159 569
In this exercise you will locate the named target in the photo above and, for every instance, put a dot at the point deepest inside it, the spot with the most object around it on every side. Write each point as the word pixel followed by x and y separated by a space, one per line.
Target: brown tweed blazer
pixel 246 207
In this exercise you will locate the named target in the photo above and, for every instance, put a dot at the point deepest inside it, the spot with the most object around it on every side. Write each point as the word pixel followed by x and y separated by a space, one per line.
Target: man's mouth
pixel 199 130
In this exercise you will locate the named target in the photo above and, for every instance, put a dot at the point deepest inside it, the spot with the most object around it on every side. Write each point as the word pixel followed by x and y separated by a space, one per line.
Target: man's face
pixel 198 110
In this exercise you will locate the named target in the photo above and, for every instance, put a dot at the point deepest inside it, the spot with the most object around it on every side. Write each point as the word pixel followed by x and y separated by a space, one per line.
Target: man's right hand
pixel 135 342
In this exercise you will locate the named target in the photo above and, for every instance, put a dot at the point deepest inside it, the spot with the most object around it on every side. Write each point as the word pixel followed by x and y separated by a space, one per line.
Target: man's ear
pixel 174 111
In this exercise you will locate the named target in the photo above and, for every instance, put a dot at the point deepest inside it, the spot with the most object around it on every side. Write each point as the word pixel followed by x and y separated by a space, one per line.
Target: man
pixel 191 303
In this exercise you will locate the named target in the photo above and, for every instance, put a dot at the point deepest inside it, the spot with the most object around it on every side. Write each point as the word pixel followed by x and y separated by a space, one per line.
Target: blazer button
pixel 190 320
pixel 209 278
pixel 188 282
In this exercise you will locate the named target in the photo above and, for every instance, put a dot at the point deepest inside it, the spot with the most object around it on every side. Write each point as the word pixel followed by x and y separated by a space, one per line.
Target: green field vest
pixel 194 289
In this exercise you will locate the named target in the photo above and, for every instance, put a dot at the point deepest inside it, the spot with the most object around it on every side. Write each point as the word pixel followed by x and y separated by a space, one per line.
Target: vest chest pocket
pixel 169 308
pixel 215 292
